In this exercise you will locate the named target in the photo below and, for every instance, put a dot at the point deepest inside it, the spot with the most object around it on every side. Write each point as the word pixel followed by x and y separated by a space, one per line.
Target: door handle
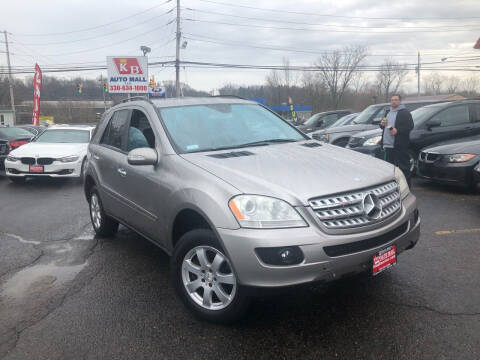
pixel 122 172
pixel 96 157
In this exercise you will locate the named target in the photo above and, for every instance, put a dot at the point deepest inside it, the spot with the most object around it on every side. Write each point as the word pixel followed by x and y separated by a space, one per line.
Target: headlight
pixel 459 158
pixel 262 212
pixel 12 158
pixel 402 182
pixel 322 137
pixel 373 141
pixel 67 159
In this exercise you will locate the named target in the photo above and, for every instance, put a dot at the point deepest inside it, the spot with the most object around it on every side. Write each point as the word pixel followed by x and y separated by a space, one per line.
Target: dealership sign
pixel 127 75
pixel 37 88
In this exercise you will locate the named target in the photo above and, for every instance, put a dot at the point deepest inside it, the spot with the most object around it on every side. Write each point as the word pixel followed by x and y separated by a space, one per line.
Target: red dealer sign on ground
pixel 127 74
pixel 37 88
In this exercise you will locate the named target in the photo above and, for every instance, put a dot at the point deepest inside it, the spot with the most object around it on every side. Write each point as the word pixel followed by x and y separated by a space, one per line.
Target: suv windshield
pixel 222 126
pixel 422 114
pixel 64 136
pixel 367 114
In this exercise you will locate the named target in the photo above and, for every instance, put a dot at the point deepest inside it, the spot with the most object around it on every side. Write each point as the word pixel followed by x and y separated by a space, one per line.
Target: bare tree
pixel 452 84
pixel 391 77
pixel 432 84
pixel 471 84
pixel 338 69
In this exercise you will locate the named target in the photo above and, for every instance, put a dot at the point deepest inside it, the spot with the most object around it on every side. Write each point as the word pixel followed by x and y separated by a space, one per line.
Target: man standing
pixel 396 135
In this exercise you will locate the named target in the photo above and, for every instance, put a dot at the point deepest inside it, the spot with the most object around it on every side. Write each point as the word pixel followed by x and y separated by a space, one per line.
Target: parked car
pixel 345 120
pixel 215 183
pixel 10 139
pixel 451 162
pixel 35 130
pixel 432 124
pixel 322 120
pixel 367 120
pixel 60 151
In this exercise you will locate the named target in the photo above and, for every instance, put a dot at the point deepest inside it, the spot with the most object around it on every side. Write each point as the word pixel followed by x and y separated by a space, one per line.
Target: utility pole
pixel 103 92
pixel 10 80
pixel 418 75
pixel 177 57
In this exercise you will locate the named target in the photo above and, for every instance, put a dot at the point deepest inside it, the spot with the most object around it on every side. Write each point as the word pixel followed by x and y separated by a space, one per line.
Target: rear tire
pixel 103 224
pixel 204 278
pixel 17 180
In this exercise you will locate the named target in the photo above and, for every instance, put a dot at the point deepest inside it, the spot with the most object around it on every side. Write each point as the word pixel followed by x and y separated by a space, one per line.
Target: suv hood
pixel 293 172
pixel 369 133
pixel 347 128
pixel 470 145
pixel 53 150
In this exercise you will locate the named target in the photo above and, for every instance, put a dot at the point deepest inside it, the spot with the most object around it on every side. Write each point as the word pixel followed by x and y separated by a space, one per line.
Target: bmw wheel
pixel 204 278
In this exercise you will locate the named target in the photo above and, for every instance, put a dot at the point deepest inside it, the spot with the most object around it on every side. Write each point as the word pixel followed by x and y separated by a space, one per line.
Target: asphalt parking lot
pixel 65 294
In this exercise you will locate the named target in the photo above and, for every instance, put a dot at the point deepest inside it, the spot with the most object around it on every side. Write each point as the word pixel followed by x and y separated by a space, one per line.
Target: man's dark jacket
pixel 403 124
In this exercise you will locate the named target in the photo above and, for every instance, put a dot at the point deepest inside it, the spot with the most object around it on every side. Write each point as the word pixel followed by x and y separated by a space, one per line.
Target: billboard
pixel 127 74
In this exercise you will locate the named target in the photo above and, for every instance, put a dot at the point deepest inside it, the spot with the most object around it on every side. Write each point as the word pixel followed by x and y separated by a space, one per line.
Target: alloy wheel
pixel 95 211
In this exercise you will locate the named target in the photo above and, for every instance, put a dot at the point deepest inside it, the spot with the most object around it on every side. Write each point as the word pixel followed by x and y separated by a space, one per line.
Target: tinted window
pixel 313 120
pixel 453 116
pixel 64 136
pixel 15 132
pixel 329 119
pixel 140 133
pixel 366 115
pixel 475 112
pixel 115 132
pixel 209 127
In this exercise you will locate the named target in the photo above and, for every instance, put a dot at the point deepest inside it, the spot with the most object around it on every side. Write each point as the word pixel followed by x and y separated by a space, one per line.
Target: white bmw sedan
pixel 60 151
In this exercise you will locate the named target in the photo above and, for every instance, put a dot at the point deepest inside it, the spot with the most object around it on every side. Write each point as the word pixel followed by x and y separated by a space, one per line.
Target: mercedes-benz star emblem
pixel 372 206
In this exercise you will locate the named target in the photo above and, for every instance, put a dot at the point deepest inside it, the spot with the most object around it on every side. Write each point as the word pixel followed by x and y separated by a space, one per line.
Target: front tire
pixel 103 224
pixel 204 278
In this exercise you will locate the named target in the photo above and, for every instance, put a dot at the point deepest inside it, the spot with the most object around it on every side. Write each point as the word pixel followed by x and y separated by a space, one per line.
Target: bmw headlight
pixel 402 183
pixel 262 212
pixel 373 141
pixel 12 158
pixel 459 158
pixel 68 159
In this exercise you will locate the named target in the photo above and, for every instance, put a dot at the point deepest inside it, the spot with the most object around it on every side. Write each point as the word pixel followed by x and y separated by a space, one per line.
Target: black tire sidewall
pixel 108 226
pixel 187 242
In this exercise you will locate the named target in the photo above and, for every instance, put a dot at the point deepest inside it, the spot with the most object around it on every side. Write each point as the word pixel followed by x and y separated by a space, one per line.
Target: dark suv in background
pixel 367 120
pixel 322 120
pixel 432 124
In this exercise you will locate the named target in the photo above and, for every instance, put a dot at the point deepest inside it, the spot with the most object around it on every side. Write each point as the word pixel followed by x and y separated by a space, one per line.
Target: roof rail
pixel 135 98
pixel 232 96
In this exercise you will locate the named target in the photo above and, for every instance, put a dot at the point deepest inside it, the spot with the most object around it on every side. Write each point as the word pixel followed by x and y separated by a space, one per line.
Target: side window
pixel 475 112
pixel 380 115
pixel 114 134
pixel 453 116
pixel 329 119
pixel 140 133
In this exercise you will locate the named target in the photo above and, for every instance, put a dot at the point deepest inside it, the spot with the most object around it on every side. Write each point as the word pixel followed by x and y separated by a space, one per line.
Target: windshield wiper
pixel 267 142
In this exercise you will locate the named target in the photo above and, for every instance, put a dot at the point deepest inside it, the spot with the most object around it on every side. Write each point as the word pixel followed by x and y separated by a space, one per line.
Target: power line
pixel 98 26
pixel 474 26
pixel 322 30
pixel 103 35
pixel 338 16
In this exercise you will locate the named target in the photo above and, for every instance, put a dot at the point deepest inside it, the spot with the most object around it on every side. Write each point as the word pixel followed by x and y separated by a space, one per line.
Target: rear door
pixel 108 157
pixel 454 123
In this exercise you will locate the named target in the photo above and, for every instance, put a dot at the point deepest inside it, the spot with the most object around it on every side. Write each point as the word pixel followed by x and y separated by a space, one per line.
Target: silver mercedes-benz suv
pixel 242 200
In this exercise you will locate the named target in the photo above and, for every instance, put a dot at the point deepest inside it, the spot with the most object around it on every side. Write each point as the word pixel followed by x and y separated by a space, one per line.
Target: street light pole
pixel 10 80
pixel 177 57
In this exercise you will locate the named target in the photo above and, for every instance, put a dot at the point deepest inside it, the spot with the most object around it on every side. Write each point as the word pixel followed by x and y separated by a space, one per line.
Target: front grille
pixel 350 248
pixel 346 210
pixel 355 142
pixel 45 161
pixel 429 157
pixel 28 160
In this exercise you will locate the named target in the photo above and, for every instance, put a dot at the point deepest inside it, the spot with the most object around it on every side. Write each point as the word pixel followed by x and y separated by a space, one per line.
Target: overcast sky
pixel 85 32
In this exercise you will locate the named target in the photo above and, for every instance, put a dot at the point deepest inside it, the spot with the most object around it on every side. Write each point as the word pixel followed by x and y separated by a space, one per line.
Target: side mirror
pixel 433 123
pixel 142 156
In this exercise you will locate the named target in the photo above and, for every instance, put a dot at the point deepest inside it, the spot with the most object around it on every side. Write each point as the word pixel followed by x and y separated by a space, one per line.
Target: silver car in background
pixel 242 200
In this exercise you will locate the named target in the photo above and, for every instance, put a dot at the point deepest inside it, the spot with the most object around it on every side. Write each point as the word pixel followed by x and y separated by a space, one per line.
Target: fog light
pixel 291 255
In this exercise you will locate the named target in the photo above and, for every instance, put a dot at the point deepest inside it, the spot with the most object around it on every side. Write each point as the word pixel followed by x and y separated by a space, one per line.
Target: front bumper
pixel 447 173
pixel 56 169
pixel 240 246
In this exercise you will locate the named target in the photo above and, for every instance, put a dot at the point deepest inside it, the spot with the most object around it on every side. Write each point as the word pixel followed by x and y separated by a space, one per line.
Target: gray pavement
pixel 65 294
